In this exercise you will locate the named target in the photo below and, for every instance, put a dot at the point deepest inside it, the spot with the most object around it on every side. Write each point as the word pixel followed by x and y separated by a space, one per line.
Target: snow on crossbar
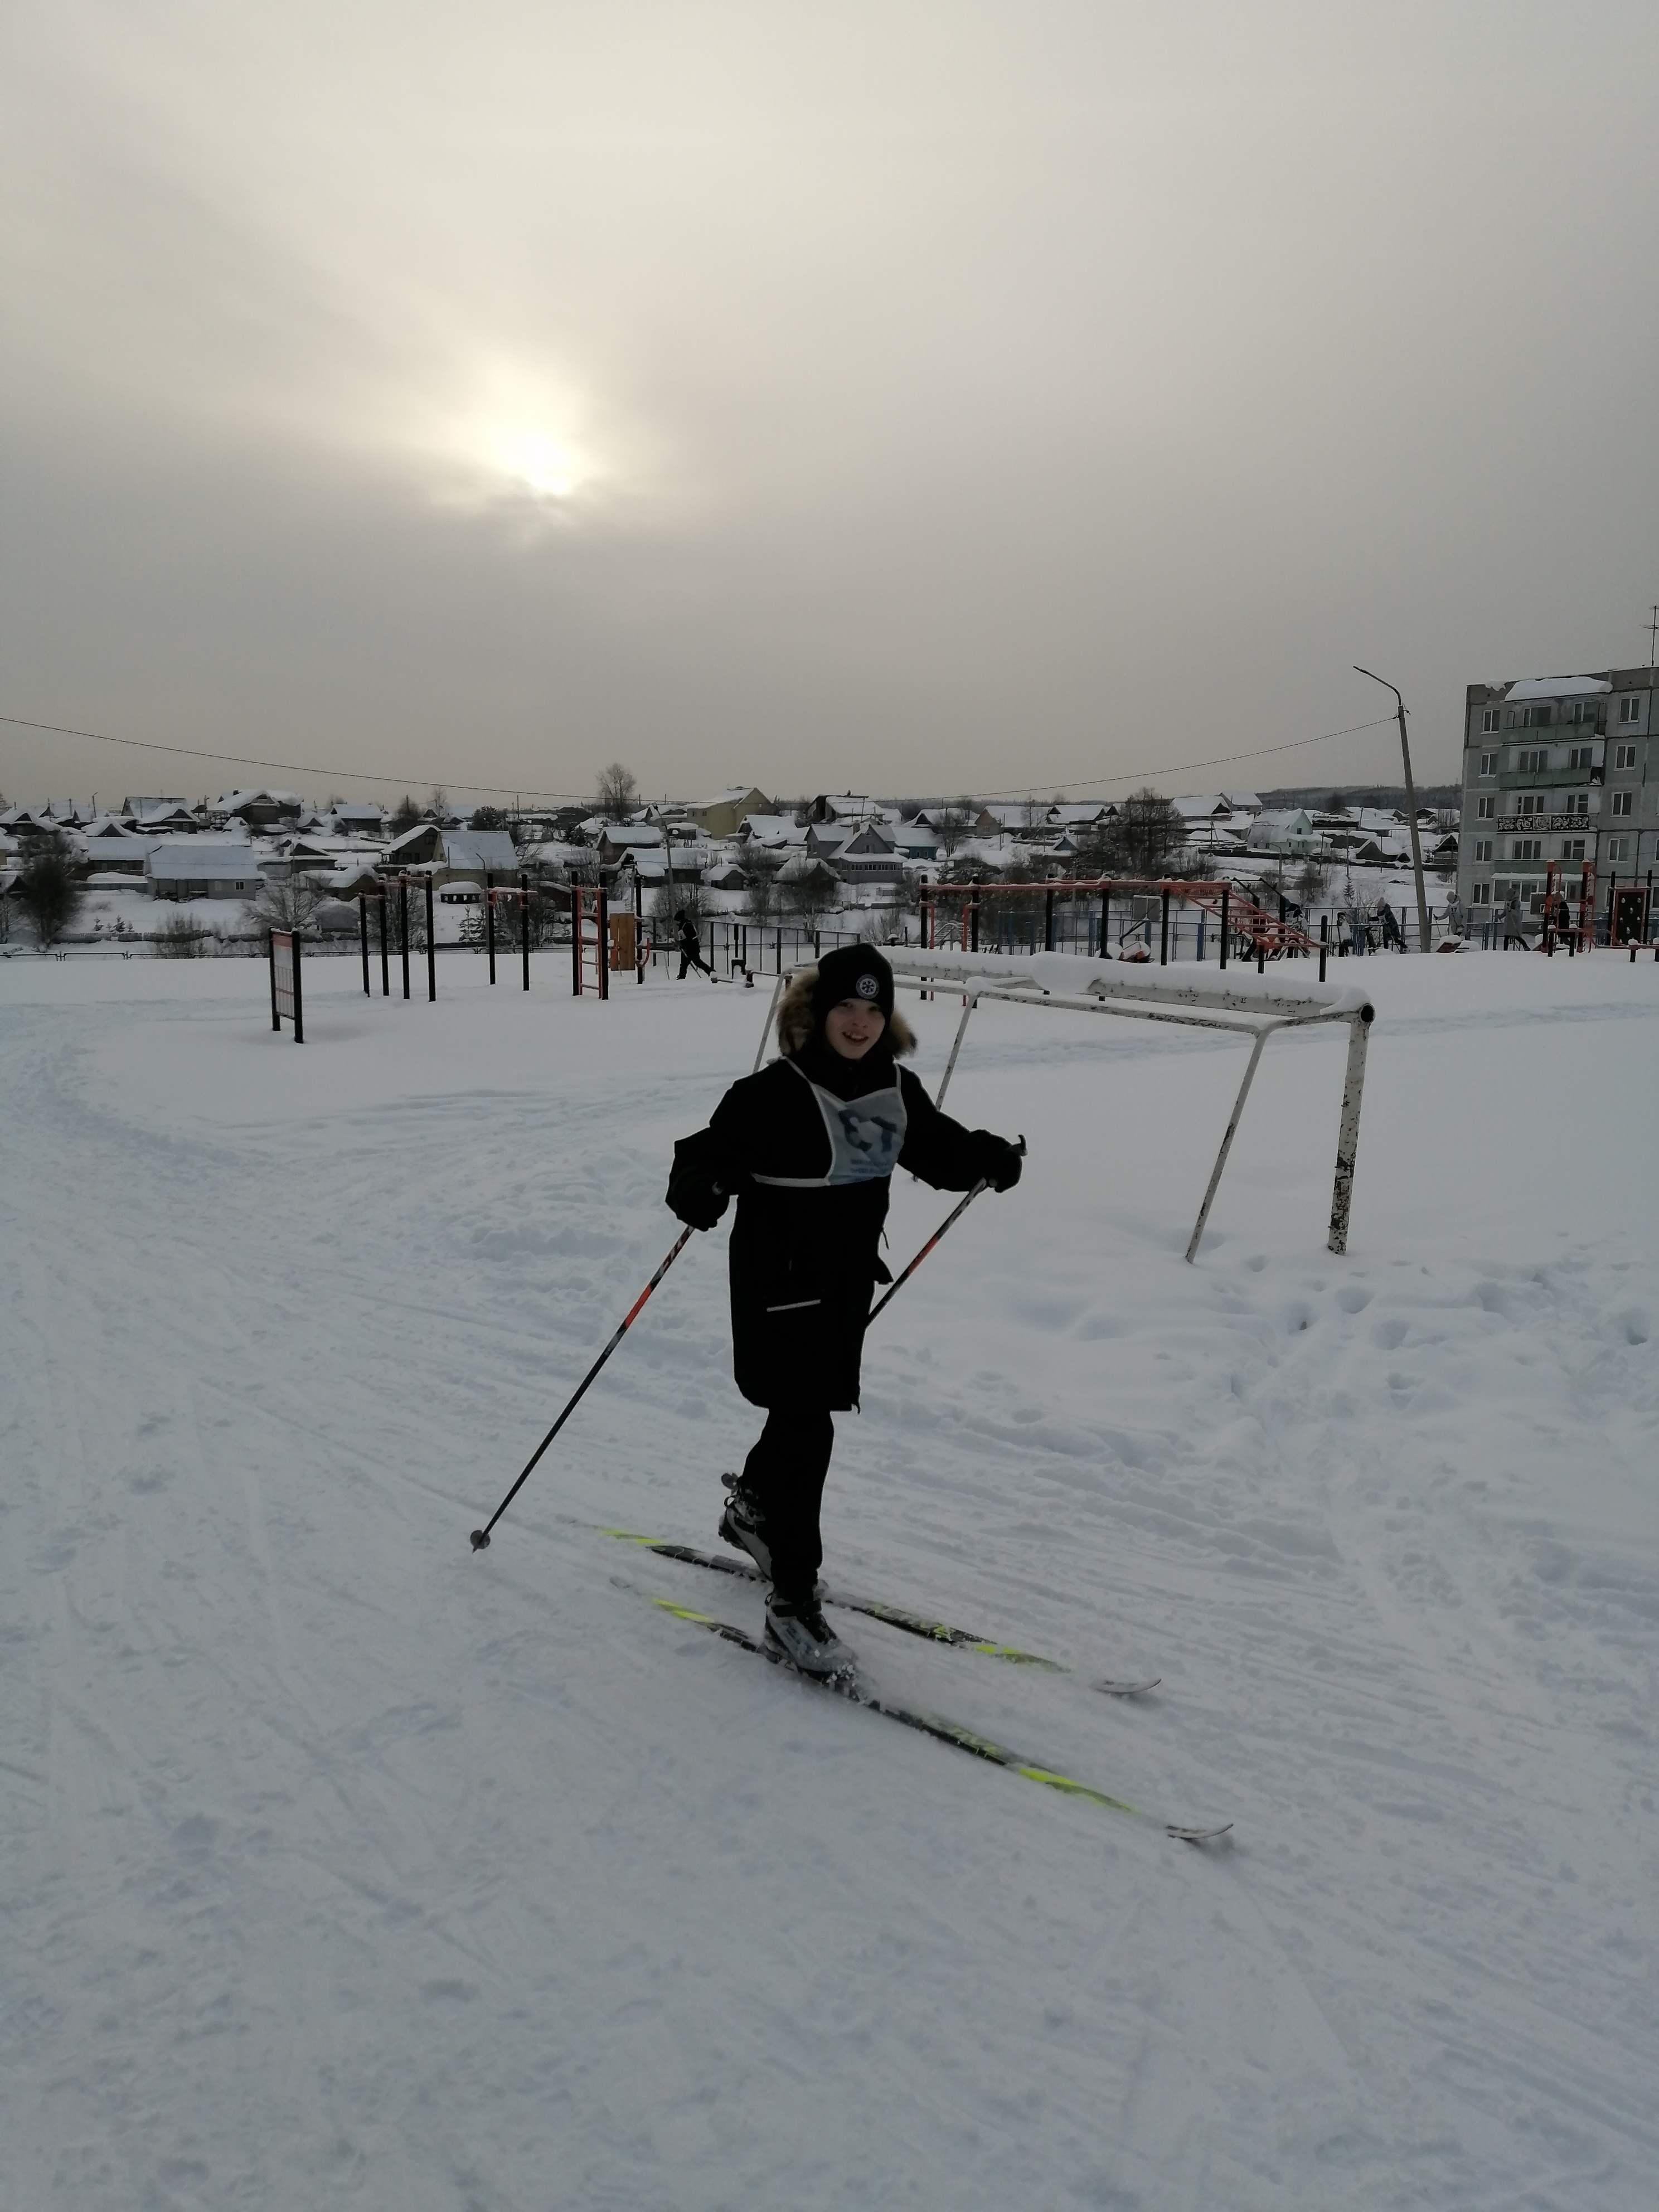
pixel 1250 1004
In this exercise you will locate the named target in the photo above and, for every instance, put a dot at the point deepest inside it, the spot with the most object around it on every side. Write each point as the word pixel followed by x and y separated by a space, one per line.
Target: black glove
pixel 696 1196
pixel 995 1160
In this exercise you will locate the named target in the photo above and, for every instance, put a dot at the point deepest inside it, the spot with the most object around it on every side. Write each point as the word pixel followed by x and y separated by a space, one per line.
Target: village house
pixel 719 816
pixel 202 868
pixel 261 810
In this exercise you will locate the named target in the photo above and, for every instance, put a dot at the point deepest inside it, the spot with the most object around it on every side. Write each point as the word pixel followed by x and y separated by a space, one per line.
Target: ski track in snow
pixel 338 1866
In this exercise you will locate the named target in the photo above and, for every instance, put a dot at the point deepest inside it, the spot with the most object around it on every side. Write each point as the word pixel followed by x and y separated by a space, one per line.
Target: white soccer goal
pixel 1248 1005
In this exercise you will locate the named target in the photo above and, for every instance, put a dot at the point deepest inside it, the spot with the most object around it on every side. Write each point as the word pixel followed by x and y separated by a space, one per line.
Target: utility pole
pixel 1411 805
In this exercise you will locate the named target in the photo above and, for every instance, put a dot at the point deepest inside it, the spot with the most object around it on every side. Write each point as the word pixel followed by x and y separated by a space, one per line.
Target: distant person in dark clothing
pixel 690 946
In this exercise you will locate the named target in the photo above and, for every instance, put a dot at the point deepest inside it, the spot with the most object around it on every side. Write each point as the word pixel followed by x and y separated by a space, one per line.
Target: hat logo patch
pixel 867 987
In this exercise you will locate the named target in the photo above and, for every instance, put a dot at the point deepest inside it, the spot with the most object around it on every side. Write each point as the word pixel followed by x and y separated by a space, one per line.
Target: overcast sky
pixel 915 398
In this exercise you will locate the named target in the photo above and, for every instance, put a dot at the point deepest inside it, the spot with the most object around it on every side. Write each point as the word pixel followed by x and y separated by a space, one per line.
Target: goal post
pixel 1248 1005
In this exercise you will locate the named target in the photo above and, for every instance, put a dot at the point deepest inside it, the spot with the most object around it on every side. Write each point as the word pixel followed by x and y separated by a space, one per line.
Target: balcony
pixel 1549 778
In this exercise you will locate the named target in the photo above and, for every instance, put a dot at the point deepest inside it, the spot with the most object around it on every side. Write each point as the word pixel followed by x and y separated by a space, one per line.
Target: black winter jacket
pixel 804 1258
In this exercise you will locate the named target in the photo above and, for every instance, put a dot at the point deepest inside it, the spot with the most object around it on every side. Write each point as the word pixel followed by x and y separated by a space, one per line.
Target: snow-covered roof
pixel 199 860
pixel 480 848
pixel 1558 687
pixel 773 829
pixel 733 795
pixel 233 800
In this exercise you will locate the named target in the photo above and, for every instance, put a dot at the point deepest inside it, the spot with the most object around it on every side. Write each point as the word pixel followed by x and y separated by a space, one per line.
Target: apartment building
pixel 1558 767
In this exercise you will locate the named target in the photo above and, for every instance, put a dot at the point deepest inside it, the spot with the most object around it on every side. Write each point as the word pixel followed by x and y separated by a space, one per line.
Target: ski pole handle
pixel 950 1218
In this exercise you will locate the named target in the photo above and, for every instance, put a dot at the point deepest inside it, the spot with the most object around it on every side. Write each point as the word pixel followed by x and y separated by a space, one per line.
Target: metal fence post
pixel 402 926
pixel 602 941
pixel 270 954
pixel 362 931
pixel 523 922
pixel 1164 928
pixel 489 923
pixel 1226 893
pixel 431 945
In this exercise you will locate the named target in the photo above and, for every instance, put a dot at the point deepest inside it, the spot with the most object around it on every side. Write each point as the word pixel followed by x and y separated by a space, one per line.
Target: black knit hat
pixel 853 971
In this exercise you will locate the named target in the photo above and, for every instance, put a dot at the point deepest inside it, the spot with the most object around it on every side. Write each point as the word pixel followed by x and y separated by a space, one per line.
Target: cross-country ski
pixel 849 1683
pixel 896 1616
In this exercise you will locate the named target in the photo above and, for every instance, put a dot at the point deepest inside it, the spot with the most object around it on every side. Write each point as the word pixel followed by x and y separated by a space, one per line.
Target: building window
pixel 1577 802
pixel 1537 717
pixel 1482 895
pixel 1483 808
pixel 1489 722
pixel 1630 710
pixel 1527 849
pixel 1572 849
pixel 1529 803
pixel 1623 757
pixel 1616 847
pixel 1488 763
pixel 1533 763
pixel 1483 849
pixel 1624 802
pixel 1580 757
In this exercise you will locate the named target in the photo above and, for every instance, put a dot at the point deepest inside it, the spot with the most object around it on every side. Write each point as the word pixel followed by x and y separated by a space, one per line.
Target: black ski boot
pixel 796 1630
pixel 743 1525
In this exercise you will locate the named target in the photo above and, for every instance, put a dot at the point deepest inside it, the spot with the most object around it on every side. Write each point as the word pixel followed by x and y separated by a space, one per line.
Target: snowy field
pixel 340 1867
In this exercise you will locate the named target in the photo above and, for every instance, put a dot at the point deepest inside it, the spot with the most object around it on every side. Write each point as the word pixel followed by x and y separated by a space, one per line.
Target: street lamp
pixel 1411 805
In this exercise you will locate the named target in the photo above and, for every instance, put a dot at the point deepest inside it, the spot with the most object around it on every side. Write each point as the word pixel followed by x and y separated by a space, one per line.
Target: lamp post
pixel 1411 806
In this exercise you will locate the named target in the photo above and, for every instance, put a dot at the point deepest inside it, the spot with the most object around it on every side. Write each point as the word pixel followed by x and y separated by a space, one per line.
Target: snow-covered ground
pixel 341 1866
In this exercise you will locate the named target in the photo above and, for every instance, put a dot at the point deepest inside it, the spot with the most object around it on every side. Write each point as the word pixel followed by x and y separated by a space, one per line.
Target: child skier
pixel 808 1146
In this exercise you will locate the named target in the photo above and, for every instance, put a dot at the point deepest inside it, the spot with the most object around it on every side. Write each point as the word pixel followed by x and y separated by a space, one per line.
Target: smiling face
pixel 852 1027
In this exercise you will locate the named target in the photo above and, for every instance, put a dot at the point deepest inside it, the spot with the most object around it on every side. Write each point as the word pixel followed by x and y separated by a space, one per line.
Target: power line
pixel 288 768
pixel 506 790
pixel 1183 768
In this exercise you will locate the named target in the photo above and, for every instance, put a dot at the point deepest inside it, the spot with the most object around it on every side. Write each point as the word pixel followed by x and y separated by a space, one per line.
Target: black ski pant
pixel 689 960
pixel 785 1474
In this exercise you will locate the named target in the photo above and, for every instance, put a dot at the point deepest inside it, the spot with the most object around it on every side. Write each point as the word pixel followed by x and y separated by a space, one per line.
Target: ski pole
pixel 481 1536
pixel 950 1218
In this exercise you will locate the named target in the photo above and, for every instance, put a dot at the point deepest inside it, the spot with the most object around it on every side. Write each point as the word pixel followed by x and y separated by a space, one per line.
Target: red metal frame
pixel 1266 934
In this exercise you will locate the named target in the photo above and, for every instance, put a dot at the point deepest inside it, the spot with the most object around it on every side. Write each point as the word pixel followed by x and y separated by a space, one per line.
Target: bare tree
pixel 289 902
pixel 180 937
pixel 487 817
pixel 951 823
pixel 404 815
pixel 761 897
pixel 1146 835
pixel 814 891
pixel 688 897
pixel 618 789
pixel 48 889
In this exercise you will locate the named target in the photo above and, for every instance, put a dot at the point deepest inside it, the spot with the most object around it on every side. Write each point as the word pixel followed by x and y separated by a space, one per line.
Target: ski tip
pixel 1197 1835
pixel 1111 1689
pixel 481 1540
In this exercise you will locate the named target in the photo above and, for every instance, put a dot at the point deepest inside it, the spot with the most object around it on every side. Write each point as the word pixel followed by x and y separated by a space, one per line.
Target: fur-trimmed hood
pixel 795 1023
